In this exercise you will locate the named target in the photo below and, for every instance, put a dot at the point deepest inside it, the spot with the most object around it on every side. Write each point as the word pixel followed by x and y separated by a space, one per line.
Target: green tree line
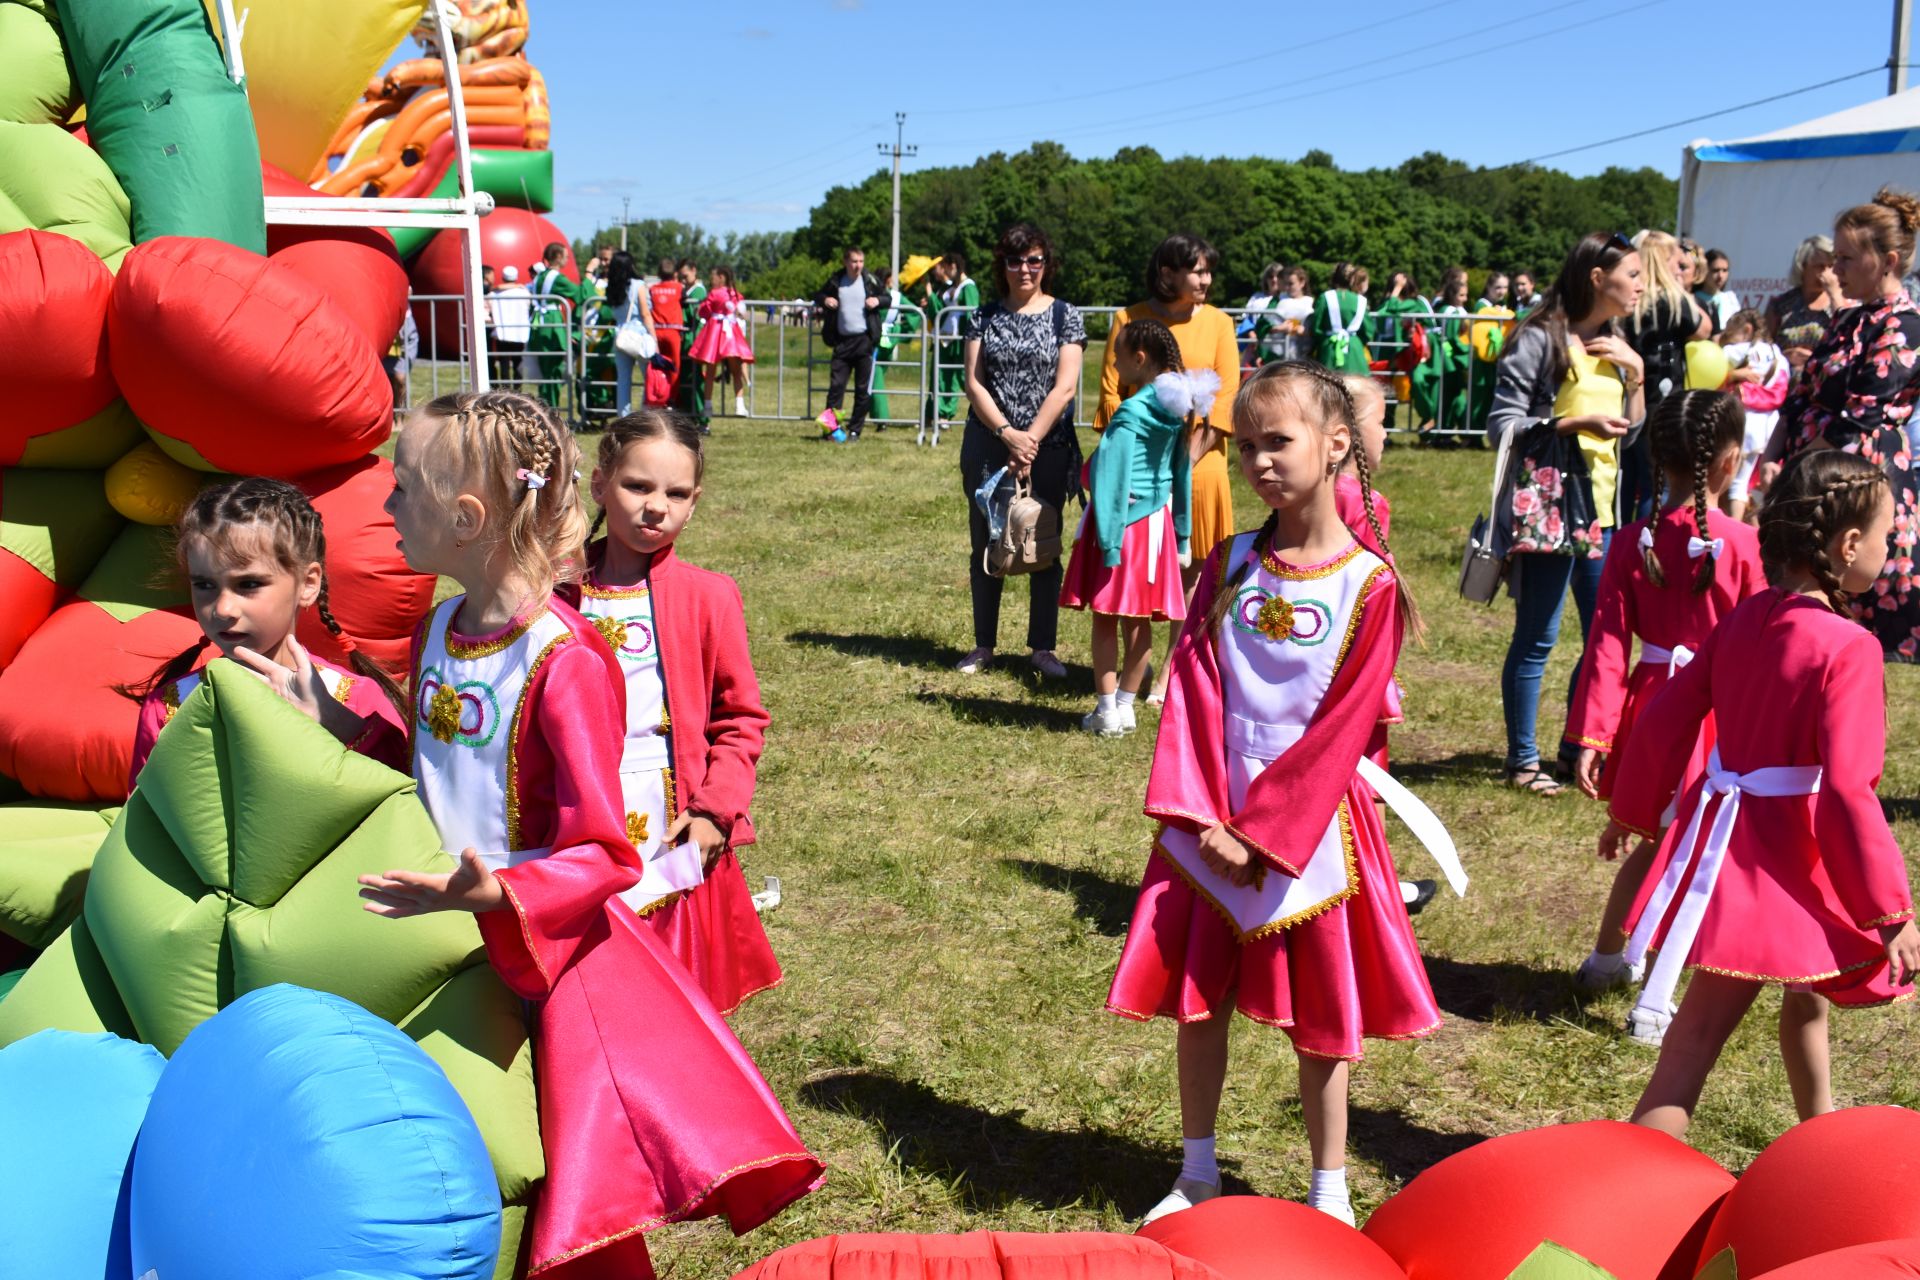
pixel 1105 216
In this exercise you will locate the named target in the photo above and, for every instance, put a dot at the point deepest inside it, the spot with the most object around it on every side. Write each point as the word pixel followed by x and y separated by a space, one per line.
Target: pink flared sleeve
pixel 1858 848
pixel 736 719
pixel 1601 695
pixel 568 769
pixel 384 736
pixel 1661 745
pixel 1289 805
pixel 146 731
pixel 1187 787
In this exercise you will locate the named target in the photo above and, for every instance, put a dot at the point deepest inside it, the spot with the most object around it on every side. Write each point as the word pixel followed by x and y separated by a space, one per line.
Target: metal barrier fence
pixel 548 374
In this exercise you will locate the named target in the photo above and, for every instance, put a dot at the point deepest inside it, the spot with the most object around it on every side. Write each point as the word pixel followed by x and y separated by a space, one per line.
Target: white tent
pixel 1758 198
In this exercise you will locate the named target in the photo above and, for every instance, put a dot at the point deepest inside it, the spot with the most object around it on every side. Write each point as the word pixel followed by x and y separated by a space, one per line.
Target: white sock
pixel 1328 1188
pixel 1104 704
pixel 1123 698
pixel 1197 1162
pixel 1605 962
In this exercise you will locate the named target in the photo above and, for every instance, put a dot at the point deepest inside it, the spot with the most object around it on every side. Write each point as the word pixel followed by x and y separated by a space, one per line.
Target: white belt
pixel 1270 741
pixel 1675 658
pixel 640 755
pixel 1156 540
pixel 500 860
pixel 1781 780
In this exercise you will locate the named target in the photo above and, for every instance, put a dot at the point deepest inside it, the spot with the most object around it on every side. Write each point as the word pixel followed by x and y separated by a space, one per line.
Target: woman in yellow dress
pixel 1179 277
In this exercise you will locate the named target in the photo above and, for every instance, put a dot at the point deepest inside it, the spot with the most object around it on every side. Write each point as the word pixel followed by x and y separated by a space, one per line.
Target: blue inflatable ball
pixel 70 1108
pixel 294 1134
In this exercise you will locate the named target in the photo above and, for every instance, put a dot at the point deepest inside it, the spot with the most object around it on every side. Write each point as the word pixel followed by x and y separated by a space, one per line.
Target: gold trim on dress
pixel 1279 568
pixel 594 591
pixel 341 689
pixel 513 739
pixel 613 630
pixel 1629 827
pixel 636 828
pixel 1353 619
pixel 1772 979
pixel 1892 917
pixel 1348 849
pixel 468 650
pixel 1598 744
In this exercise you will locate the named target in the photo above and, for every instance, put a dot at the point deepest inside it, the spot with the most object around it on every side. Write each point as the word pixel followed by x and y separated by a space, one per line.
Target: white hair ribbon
pixel 533 478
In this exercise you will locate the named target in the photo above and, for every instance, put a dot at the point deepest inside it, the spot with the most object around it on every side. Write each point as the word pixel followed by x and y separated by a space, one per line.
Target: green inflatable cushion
pixel 43 866
pixel 52 181
pixel 38 86
pixel 233 866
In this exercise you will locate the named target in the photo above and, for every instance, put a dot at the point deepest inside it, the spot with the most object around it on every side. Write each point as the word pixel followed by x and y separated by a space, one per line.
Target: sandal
pixel 1535 780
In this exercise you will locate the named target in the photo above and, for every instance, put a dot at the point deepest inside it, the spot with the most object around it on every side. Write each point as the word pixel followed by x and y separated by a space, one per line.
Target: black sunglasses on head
pixel 1620 242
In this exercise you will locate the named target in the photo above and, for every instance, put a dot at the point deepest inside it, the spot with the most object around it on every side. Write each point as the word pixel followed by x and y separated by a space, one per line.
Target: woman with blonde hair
pixel 1659 329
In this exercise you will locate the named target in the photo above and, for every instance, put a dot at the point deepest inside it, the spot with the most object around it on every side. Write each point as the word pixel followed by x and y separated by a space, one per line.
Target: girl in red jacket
pixel 695 726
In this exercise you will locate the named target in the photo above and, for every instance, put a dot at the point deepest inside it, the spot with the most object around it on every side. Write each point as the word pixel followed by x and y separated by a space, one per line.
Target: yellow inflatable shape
pixel 1491 329
pixel 148 487
pixel 307 62
pixel 1707 367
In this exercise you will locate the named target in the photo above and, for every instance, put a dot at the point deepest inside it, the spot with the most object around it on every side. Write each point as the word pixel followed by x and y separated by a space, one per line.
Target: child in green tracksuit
pixel 557 306
pixel 1339 323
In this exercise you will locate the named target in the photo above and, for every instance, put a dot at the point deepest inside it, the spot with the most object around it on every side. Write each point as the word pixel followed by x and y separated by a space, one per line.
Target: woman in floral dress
pixel 1859 392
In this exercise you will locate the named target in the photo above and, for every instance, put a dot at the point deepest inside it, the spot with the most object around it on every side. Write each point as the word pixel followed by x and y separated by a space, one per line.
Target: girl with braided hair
pixel 1134 535
pixel 517 722
pixel 1270 888
pixel 254 555
pixel 1781 869
pixel 1668 580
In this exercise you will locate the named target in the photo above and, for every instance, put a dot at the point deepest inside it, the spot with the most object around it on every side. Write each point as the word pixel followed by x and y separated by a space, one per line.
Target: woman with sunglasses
pixel 1022 368
pixel 1566 371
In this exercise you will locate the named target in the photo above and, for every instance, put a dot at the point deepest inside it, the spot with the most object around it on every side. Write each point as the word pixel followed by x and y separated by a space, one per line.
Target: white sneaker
pixel 974 663
pixel 1106 724
pixel 1591 977
pixel 1127 720
pixel 1648 1026
pixel 768 898
pixel 739 406
pixel 1186 1193
pixel 1048 665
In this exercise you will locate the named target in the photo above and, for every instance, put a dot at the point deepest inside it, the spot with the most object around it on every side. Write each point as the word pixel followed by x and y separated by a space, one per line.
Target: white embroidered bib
pixel 468 700
pixel 1283 639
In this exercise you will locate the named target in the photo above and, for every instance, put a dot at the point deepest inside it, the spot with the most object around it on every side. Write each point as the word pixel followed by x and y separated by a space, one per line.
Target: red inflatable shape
pixel 1259 1238
pixel 53 337
pixel 1476 1215
pixel 357 267
pixel 30 596
pixel 508 238
pixel 1882 1260
pixel 240 359
pixel 979 1255
pixel 1833 1181
pixel 64 733
pixel 374 596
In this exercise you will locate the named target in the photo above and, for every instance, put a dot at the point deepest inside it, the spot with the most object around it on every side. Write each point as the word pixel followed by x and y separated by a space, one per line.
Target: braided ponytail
pixel 1153 341
pixel 1817 497
pixel 1688 433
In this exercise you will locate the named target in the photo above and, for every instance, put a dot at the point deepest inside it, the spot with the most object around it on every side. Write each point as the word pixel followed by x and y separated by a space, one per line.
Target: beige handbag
pixel 1030 540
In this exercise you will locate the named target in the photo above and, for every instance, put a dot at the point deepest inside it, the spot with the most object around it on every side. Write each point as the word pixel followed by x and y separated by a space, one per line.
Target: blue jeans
pixel 622 383
pixel 1540 584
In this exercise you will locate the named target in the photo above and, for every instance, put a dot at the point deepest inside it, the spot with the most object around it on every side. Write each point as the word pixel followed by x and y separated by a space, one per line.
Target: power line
pixel 1134 87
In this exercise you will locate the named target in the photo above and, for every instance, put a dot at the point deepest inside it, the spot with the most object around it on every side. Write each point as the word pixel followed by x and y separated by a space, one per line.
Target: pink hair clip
pixel 533 478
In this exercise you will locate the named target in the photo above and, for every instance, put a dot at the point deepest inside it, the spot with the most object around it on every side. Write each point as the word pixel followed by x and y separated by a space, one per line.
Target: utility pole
pixel 625 203
pixel 1897 61
pixel 897 150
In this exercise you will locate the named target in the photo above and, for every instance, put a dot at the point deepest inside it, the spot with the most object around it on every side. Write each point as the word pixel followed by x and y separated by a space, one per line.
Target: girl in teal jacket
pixel 1133 539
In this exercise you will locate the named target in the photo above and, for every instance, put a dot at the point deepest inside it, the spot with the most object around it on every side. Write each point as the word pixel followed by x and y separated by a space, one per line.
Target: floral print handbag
pixel 1546 503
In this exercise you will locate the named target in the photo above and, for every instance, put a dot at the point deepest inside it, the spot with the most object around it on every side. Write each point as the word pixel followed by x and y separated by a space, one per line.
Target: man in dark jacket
pixel 850 319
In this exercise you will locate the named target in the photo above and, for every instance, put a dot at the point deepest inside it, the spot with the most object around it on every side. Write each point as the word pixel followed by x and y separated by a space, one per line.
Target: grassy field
pixel 959 864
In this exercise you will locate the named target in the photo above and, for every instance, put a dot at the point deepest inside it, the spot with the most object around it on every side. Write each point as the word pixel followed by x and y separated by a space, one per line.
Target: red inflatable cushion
pixel 375 597
pixel 979 1255
pixel 1836 1180
pixel 1624 1197
pixel 243 360
pixel 357 267
pixel 1258 1238
pixel 1882 1260
pixel 30 596
pixel 509 237
pixel 53 337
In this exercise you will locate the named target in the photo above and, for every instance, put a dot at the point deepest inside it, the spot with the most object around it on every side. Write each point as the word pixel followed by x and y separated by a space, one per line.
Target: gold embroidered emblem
pixel 636 828
pixel 614 629
pixel 1275 620
pixel 443 714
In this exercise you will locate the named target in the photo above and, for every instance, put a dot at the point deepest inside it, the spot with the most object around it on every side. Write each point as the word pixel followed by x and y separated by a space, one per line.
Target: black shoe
pixel 1423 892
pixel 879 426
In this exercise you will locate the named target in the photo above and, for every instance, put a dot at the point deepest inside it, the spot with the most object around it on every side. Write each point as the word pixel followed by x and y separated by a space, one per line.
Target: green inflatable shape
pixel 10 980
pixel 233 866
pixel 52 181
pixel 1557 1262
pixel 167 120
pixel 38 86
pixel 57 521
pixel 97 442
pixel 517 179
pixel 43 867
pixel 136 575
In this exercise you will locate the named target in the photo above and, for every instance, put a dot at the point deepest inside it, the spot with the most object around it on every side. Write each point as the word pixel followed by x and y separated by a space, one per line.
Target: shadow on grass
pixel 1900 808
pixel 1105 904
pixel 1400 1147
pixel 1002 712
pixel 994 1159
pixel 1451 768
pixel 906 651
pixel 1484 992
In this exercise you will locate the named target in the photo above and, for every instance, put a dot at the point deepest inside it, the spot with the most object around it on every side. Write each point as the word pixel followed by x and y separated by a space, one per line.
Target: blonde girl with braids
pixel 1779 868
pixel 1270 888
pixel 695 726
pixel 254 554
pixel 1134 537
pixel 1667 581
pixel 517 723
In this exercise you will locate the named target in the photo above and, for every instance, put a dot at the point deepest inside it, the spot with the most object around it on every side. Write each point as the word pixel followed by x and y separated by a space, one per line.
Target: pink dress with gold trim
pixel 1264 729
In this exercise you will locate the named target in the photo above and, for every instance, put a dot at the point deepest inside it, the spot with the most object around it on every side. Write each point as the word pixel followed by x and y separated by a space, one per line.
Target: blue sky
pixel 740 114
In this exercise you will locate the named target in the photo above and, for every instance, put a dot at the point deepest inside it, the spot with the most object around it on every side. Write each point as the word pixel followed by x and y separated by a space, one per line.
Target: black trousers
pixel 504 358
pixel 982 454
pixel 852 354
